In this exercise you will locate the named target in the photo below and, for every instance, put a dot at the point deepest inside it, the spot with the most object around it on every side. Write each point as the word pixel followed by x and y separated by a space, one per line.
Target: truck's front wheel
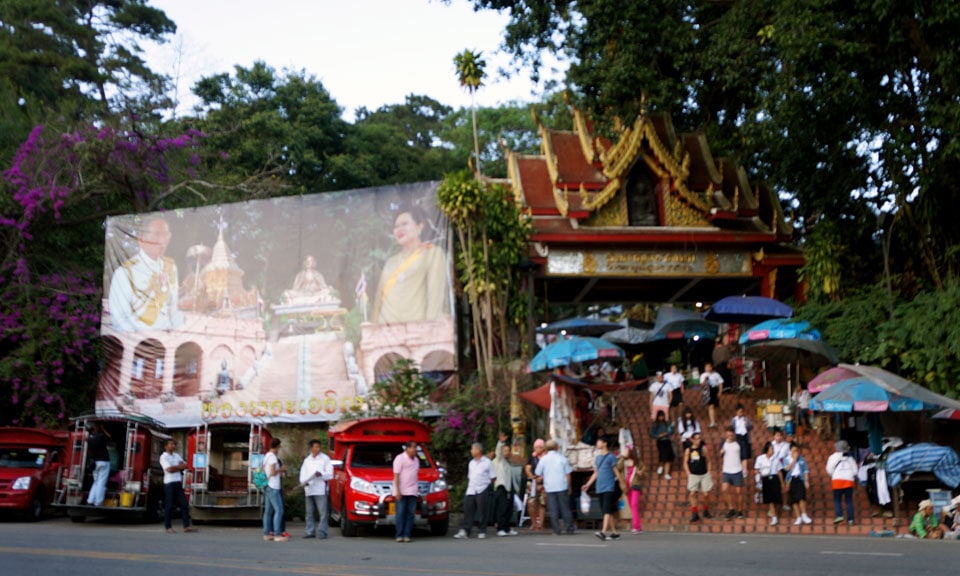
pixel 35 512
pixel 347 528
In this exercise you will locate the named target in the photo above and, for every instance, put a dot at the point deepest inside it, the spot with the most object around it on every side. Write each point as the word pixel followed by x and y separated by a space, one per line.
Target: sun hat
pixel 925 504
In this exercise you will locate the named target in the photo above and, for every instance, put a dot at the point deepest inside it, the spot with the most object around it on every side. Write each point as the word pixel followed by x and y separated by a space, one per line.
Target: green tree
pixel 844 107
pixel 75 59
pixel 492 233
pixel 53 198
pixel 397 143
pixel 470 73
pixel 263 122
pixel 405 392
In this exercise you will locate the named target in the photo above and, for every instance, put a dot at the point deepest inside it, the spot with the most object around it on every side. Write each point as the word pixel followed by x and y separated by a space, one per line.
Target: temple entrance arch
pixel 383 367
pixel 109 386
pixel 438 361
pixel 146 373
pixel 189 367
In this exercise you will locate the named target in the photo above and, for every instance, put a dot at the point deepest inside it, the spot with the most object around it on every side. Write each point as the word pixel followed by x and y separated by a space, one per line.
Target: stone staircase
pixel 665 502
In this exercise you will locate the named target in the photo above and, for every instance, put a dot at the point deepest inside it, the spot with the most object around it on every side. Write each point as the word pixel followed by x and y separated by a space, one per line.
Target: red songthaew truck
pixel 219 480
pixel 30 461
pixel 362 486
pixel 135 483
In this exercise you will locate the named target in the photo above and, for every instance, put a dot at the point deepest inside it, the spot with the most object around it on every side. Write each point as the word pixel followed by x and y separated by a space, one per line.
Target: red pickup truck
pixel 361 492
pixel 30 460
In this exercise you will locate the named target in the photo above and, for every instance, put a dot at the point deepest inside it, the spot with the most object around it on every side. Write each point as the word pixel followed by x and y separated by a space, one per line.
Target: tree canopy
pixel 848 108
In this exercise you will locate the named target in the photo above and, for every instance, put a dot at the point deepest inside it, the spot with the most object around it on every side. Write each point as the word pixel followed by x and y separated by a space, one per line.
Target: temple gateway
pixel 652 217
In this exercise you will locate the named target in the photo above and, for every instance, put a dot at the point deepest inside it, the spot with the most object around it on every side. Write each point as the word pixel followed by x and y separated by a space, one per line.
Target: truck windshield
pixel 381 455
pixel 22 457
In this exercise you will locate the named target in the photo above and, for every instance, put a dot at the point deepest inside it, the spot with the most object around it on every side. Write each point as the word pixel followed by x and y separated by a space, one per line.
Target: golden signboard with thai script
pixel 665 263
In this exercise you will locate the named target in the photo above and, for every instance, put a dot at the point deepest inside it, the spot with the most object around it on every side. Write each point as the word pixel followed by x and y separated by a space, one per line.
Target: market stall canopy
pixel 877 390
pixel 579 325
pixel 942 461
pixel 828 378
pixel 860 394
pixel 780 329
pixel 540 396
pixel 903 386
pixel 582 349
pixel 747 310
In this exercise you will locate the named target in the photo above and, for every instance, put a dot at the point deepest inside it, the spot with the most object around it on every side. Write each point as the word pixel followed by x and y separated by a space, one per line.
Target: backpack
pixel 260 479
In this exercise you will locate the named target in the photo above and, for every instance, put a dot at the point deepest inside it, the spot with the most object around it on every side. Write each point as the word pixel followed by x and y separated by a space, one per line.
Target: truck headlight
pixel 22 483
pixel 438 486
pixel 361 485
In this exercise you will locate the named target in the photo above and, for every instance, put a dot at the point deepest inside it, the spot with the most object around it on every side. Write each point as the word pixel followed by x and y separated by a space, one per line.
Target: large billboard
pixel 281 310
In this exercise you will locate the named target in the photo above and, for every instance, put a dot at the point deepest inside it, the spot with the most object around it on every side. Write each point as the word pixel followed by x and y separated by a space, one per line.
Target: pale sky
pixel 365 52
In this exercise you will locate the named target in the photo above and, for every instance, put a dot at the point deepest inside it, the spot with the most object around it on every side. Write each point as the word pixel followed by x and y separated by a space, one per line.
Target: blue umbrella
pixel 579 325
pixel 747 309
pixel 863 394
pixel 565 352
pixel 780 329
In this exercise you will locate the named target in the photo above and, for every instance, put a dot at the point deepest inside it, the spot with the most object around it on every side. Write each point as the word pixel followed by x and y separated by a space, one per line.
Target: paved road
pixel 58 547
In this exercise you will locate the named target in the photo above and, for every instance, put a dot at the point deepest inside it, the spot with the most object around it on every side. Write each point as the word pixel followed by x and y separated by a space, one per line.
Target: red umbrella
pixel 830 377
pixel 947 414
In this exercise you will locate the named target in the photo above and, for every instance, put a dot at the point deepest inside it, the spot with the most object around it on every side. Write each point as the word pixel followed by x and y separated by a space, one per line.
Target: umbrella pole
pixel 789 381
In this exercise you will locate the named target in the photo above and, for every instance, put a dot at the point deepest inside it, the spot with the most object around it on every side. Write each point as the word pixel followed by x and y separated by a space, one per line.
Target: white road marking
pixel 572 545
pixel 840 553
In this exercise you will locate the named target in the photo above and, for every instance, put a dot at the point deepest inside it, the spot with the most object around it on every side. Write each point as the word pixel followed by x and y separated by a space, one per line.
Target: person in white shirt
pixel 687 426
pixel 732 475
pixel 659 396
pixel 675 379
pixel 554 468
pixel 480 474
pixel 781 453
pixel 315 472
pixel 710 383
pixel 770 469
pixel 781 448
pixel 273 525
pixel 505 486
pixel 742 428
pixel 173 466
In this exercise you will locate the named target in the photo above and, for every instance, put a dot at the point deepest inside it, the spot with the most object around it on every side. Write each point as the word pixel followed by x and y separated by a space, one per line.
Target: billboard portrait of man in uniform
pixel 143 290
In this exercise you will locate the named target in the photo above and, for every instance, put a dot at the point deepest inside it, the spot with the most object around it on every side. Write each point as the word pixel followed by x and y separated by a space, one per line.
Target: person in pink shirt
pixel 406 469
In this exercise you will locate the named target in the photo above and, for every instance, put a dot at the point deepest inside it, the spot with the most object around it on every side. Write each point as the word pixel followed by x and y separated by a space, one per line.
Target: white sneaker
pixel 806 519
pixel 798 521
pixel 774 521
pixel 461 534
pixel 785 507
pixel 513 532
pixel 668 477
pixel 501 533
pixel 659 469
pixel 481 536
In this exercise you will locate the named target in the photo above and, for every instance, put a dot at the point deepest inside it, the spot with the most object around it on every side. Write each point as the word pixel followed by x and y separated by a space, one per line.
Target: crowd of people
pixel 780 471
